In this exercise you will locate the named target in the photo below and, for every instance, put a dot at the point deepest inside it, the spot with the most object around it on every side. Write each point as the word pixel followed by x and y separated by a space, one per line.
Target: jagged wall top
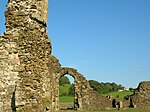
pixel 36 9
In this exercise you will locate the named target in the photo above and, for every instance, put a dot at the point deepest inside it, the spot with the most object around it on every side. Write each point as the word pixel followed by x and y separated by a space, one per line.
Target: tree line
pixel 100 87
pixel 104 88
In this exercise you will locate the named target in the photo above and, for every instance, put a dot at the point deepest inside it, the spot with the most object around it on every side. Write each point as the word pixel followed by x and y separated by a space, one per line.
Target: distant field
pixel 119 95
pixel 116 95
pixel 65 101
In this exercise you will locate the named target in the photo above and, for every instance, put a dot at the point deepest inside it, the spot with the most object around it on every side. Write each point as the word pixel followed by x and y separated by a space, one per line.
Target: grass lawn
pixel 107 111
pixel 116 95
pixel 119 95
pixel 66 99
pixel 63 91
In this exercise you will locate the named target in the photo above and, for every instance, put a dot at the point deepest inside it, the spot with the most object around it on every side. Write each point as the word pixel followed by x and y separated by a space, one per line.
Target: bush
pixel 63 80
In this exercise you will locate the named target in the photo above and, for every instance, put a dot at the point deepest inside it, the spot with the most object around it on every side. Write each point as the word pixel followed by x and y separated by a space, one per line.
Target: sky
pixel 105 40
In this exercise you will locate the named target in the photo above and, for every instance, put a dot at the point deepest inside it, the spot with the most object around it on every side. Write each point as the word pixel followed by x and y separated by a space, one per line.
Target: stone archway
pixel 85 98
pixel 78 84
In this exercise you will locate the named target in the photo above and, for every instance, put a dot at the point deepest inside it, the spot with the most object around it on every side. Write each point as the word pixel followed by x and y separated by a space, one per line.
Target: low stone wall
pixel 140 99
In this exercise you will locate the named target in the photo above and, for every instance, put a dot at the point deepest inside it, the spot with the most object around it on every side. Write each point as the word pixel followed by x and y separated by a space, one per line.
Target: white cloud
pixel 138 66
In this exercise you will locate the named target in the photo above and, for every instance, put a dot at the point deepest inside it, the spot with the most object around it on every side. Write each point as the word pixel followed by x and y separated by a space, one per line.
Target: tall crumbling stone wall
pixel 9 75
pixel 25 58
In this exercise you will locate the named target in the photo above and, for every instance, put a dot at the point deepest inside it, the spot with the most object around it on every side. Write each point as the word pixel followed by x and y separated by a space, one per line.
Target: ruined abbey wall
pixel 29 73
pixel 85 98
pixel 141 98
pixel 25 58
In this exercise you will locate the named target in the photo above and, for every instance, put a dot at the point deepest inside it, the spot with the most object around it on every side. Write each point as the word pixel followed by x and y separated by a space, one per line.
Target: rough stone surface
pixel 29 73
pixel 25 58
pixel 141 98
pixel 85 97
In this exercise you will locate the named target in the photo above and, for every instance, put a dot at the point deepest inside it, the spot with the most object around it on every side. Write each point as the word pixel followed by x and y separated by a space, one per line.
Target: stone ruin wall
pixel 25 58
pixel 85 98
pixel 141 98
pixel 28 71
pixel 29 74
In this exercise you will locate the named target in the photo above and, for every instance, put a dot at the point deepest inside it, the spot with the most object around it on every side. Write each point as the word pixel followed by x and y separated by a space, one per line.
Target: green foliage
pixel 104 88
pixel 64 90
pixel 71 91
pixel 63 80
pixel 96 85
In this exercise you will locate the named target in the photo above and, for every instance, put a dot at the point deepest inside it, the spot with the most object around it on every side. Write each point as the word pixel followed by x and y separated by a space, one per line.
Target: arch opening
pixel 66 92
pixel 77 96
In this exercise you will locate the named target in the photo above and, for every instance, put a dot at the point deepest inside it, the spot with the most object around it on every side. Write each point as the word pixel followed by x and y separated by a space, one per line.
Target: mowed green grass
pixel 64 90
pixel 66 99
pixel 107 111
pixel 119 95
pixel 116 95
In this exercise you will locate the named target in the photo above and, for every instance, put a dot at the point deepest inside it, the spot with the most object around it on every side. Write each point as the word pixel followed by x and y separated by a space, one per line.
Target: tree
pixel 95 85
pixel 115 87
pixel 108 87
pixel 71 91
pixel 63 80
pixel 104 87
